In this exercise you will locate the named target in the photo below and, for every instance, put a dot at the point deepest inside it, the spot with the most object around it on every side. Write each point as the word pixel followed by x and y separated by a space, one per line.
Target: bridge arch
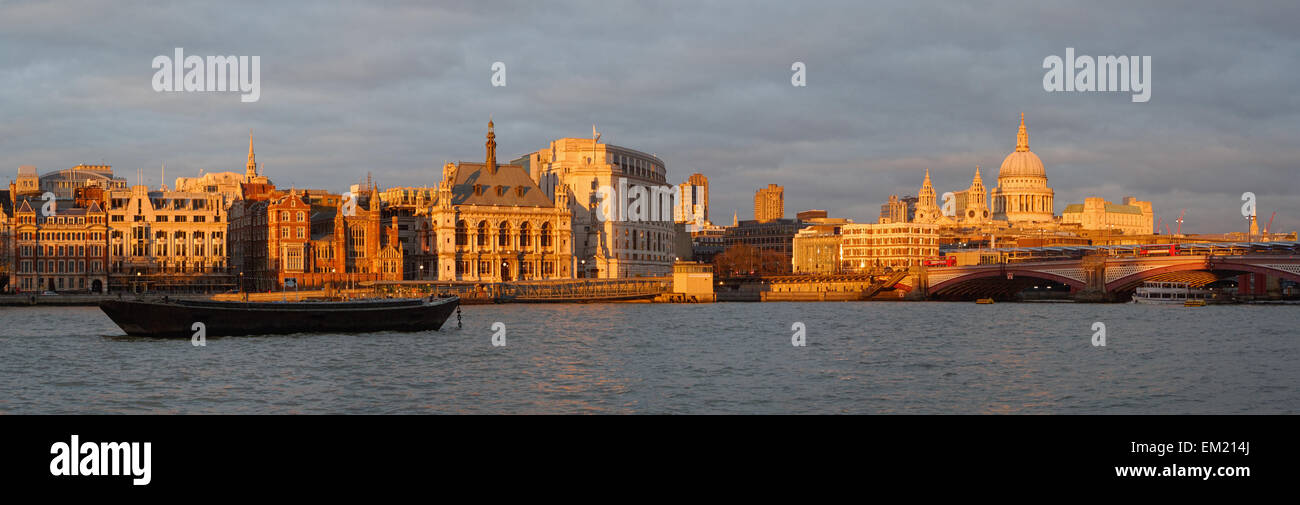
pixel 953 285
pixel 1229 267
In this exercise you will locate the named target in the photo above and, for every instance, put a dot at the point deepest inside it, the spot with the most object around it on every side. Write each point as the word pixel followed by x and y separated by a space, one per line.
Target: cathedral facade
pixel 1022 195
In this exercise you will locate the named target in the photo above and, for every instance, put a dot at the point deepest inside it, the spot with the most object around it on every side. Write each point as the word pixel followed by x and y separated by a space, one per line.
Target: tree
pixel 742 260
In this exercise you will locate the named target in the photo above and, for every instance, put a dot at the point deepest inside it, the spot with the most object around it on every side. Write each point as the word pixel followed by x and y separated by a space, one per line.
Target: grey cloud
pixel 893 89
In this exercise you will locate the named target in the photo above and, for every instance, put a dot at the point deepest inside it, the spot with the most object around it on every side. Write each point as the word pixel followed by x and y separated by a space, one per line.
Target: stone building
pixel 620 202
pixel 166 240
pixel 972 204
pixel 1022 194
pixel 492 222
pixel 1133 217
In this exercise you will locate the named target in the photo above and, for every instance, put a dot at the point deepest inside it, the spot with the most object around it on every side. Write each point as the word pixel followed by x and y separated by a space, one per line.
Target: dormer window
pixel 478 190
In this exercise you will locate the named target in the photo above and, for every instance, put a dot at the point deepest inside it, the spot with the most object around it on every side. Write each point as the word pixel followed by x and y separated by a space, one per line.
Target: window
pixel 462 234
pixel 503 235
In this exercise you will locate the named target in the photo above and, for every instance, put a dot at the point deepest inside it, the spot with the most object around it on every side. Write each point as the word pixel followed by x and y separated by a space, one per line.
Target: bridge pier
pixel 920 282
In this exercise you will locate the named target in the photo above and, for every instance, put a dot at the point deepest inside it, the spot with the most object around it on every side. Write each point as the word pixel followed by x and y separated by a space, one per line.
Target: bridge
pixel 554 290
pixel 1105 273
pixel 587 290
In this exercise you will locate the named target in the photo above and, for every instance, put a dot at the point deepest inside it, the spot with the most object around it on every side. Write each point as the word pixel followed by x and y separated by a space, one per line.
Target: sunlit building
pixel 692 204
pixel 880 245
pixel 769 203
pixel 625 245
pixel 1022 194
pixel 60 252
pixel 166 240
pixel 899 210
pixel 1133 217
pixel 491 222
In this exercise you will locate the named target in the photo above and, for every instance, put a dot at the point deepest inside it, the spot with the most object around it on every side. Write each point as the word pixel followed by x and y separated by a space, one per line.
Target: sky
pixel 892 89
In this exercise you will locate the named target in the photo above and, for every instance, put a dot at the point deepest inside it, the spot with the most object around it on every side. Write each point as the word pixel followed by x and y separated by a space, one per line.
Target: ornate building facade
pixel 617 247
pixel 62 251
pixel 166 240
pixel 309 239
pixel 1022 194
pixel 492 222
pixel 1133 217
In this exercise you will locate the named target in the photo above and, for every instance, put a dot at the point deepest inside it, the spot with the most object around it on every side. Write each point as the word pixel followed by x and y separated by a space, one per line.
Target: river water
pixel 860 357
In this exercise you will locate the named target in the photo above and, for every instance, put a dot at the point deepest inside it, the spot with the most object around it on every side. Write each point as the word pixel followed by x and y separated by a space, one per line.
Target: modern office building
pixel 880 245
pixel 769 203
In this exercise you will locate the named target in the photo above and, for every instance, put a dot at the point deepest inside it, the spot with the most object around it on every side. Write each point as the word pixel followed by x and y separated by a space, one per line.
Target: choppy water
pixel 720 358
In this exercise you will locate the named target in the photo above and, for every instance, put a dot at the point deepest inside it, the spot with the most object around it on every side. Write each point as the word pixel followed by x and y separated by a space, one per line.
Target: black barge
pixel 167 318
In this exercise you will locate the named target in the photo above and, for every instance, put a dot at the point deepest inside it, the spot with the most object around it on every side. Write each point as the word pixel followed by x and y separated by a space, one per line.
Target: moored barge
pixel 168 318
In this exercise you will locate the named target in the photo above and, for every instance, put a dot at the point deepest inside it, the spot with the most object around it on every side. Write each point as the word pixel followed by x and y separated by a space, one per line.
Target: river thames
pixel 860 358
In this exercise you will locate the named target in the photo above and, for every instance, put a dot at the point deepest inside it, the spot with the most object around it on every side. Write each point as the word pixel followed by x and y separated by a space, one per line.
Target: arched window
pixel 482 234
pixel 462 233
pixel 546 235
pixel 503 235
pixel 525 238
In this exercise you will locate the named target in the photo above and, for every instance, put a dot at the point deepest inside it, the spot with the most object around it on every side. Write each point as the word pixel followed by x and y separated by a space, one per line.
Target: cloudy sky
pixel 893 89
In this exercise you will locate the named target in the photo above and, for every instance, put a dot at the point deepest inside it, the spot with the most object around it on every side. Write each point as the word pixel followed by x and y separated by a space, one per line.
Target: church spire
pixel 491 149
pixel 1022 138
pixel 251 168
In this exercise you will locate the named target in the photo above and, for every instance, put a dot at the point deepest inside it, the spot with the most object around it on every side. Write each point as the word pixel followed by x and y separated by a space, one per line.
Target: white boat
pixel 1170 293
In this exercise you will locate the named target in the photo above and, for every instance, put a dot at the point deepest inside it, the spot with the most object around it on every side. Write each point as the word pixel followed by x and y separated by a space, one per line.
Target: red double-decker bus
pixel 1158 250
pixel 941 261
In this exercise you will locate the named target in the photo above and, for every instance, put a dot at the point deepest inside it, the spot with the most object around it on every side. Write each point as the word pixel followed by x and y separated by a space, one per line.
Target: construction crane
pixel 1158 221
pixel 1180 222
pixel 1269 226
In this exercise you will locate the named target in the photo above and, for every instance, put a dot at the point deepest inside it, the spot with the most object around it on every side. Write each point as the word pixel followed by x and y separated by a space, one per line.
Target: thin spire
pixel 251 168
pixel 491 147
pixel 1022 138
